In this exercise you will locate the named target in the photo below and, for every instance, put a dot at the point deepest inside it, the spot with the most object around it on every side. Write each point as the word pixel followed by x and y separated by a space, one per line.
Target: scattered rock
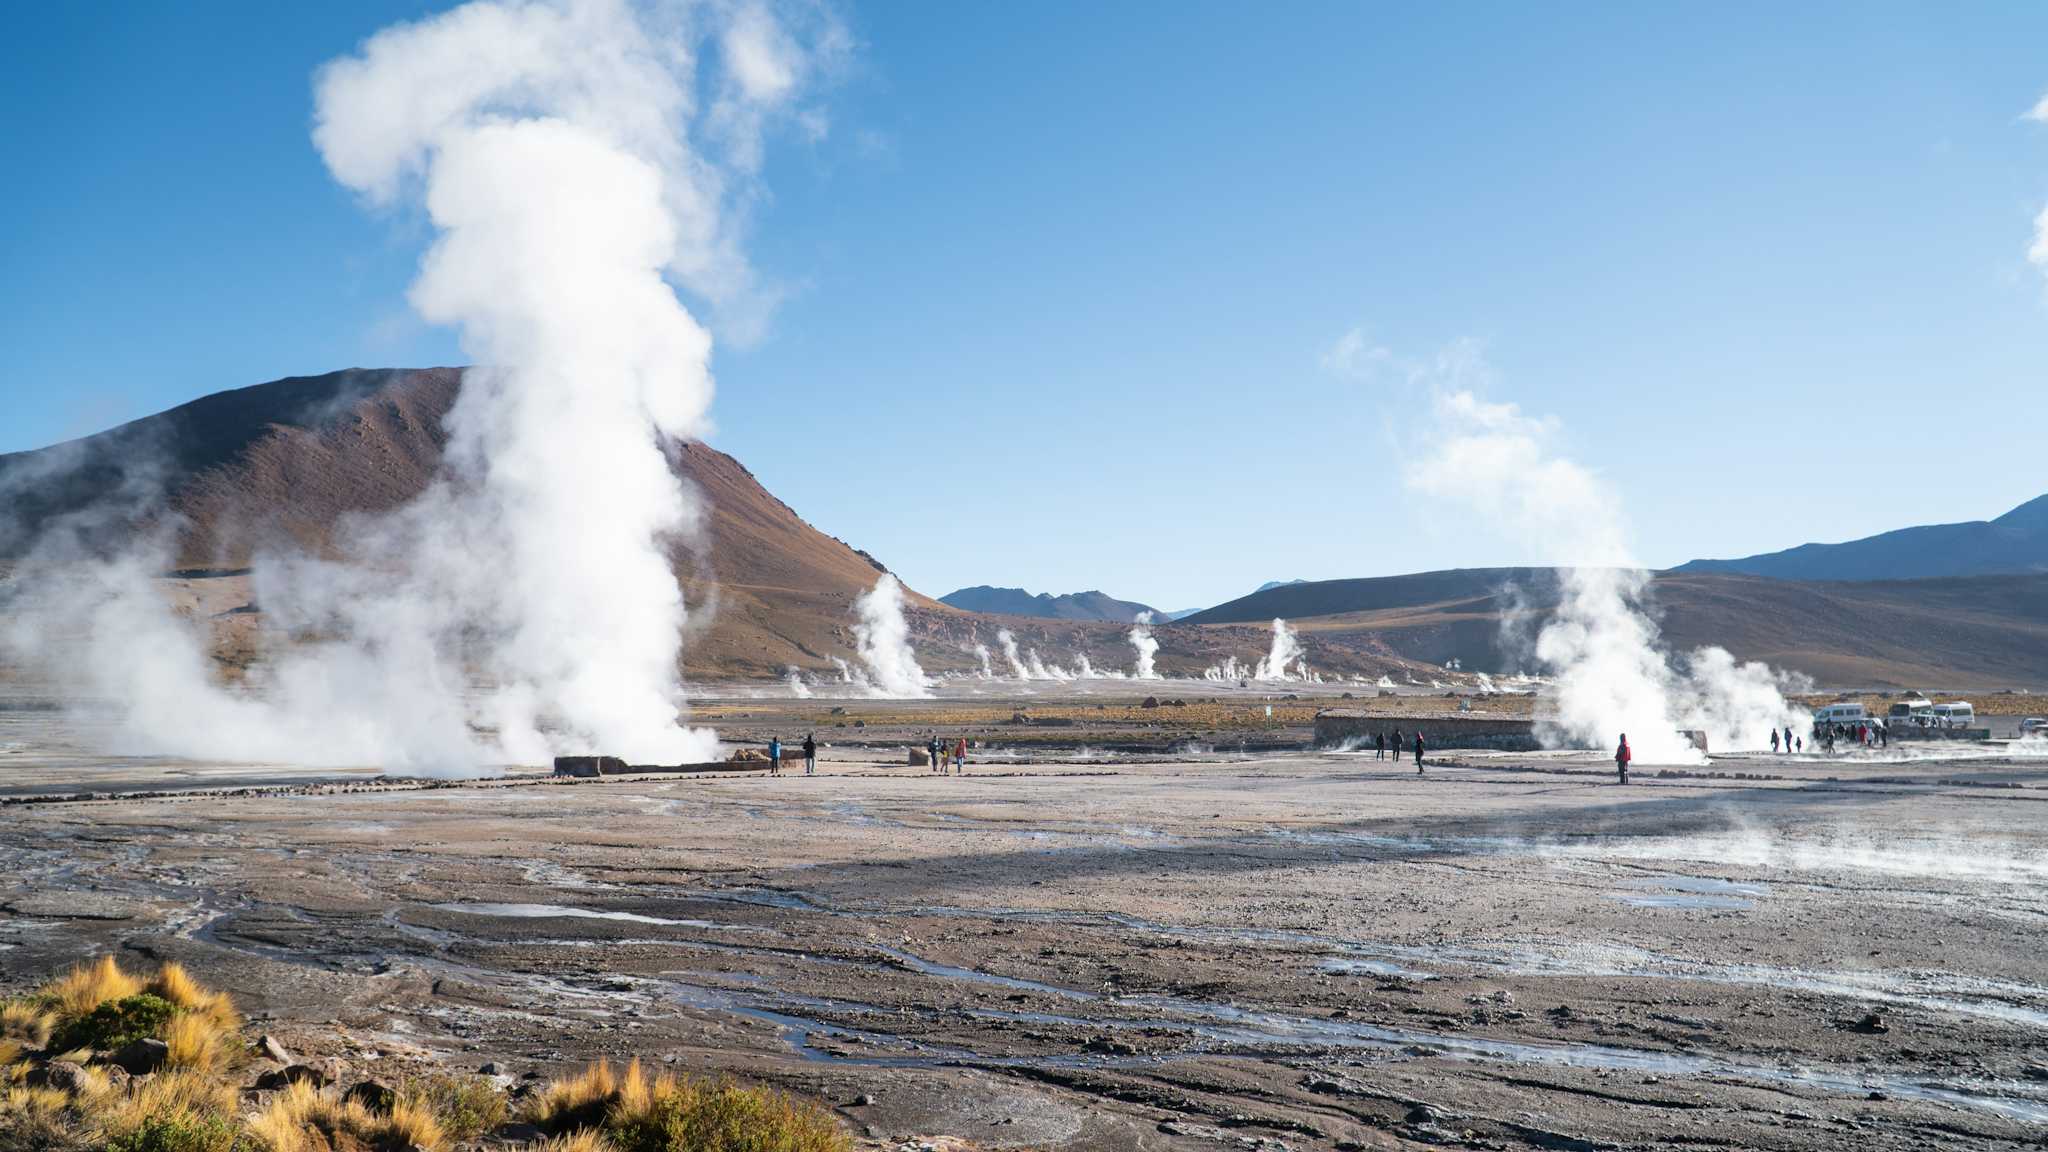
pixel 142 1057
pixel 374 1095
pixel 294 1074
pixel 1871 1025
pixel 1150 702
pixel 274 1051
pixel 864 1101
pixel 1423 1114
pixel 61 1074
pixel 491 1068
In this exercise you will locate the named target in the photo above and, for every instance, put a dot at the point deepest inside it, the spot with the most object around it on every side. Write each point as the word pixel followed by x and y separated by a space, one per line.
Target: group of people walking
pixel 1382 743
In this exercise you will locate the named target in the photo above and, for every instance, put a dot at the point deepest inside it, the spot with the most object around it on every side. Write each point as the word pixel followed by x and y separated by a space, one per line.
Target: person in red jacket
pixel 1621 758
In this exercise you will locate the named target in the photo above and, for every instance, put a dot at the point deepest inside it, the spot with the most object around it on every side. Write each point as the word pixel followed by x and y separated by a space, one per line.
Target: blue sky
pixel 1062 278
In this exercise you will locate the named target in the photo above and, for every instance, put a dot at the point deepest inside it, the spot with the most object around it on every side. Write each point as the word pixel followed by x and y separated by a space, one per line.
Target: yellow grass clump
pixel 303 1118
pixel 88 986
pixel 634 1112
pixel 25 1023
pixel 176 985
pixel 196 1042
pixel 581 1140
pixel 575 1101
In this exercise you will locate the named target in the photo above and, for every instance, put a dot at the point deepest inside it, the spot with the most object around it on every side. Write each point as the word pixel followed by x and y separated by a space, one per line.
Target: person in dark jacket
pixel 1622 756
pixel 810 753
pixel 1418 753
pixel 1379 745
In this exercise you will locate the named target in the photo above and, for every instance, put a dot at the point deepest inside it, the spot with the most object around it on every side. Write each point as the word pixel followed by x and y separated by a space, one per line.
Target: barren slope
pixel 1989 631
pixel 284 462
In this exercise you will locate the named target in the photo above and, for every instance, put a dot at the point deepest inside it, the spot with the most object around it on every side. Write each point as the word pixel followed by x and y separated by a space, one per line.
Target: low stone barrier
pixel 1499 733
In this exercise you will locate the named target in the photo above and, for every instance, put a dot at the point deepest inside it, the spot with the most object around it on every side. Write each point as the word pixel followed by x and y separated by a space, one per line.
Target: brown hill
pixel 1975 631
pixel 285 461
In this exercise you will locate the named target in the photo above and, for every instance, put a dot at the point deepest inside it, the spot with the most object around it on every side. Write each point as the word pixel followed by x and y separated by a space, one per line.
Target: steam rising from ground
pixel 549 143
pixel 1146 647
pixel 1611 673
pixel 883 638
pixel 1285 654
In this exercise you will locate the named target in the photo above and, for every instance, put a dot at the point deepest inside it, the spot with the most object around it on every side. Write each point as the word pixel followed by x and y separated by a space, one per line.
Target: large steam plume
pixel 882 637
pixel 1146 646
pixel 1283 656
pixel 1611 673
pixel 571 173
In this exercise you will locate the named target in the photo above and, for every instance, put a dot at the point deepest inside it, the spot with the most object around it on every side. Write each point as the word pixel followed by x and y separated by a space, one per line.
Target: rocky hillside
pixel 284 462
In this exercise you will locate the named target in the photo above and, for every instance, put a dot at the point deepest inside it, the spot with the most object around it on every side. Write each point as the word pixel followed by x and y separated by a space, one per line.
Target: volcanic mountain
pixel 286 464
pixel 283 463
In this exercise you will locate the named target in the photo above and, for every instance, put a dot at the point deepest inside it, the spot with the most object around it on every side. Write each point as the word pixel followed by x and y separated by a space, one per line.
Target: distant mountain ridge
pixel 2015 542
pixel 1961 630
pixel 1070 606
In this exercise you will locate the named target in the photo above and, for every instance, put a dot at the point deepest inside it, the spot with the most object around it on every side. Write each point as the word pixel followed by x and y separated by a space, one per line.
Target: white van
pixel 1956 715
pixel 1840 714
pixel 1905 710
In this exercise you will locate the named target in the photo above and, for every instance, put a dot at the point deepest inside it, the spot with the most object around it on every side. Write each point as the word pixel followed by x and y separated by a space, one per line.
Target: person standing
pixel 1395 746
pixel 810 753
pixel 1622 756
pixel 1774 739
pixel 775 756
pixel 960 756
pixel 1379 745
pixel 1418 752
pixel 931 751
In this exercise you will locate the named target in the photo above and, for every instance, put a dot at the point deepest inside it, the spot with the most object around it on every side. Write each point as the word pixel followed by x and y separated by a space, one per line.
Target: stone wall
pixel 1462 730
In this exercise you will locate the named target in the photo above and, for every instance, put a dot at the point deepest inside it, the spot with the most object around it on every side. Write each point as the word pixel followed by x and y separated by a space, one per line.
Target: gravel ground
pixel 1113 951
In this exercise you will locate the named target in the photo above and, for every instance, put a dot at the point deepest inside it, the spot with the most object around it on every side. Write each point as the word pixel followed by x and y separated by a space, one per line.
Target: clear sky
pixel 1070 286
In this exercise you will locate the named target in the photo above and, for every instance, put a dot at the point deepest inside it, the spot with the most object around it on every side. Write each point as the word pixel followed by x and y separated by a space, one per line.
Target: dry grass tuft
pixel 172 1111
pixel 25 1023
pixel 578 1101
pixel 466 1107
pixel 412 1124
pixel 176 985
pixel 637 1113
pixel 303 1118
pixel 581 1140
pixel 88 986
pixel 196 1042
